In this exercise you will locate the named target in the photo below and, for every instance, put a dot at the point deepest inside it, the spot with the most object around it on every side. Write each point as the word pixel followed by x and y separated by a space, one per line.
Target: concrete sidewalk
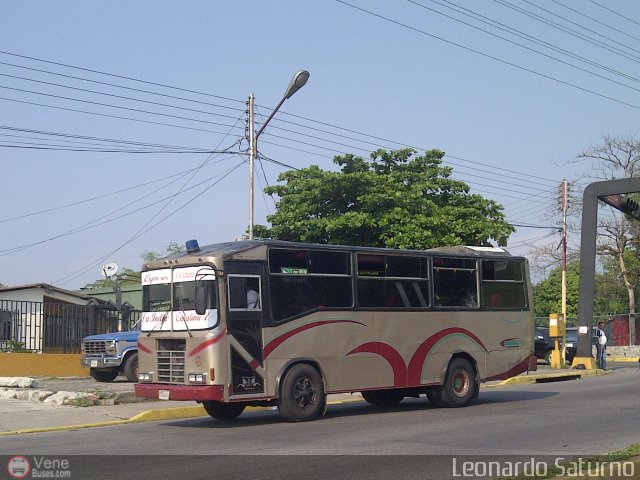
pixel 26 410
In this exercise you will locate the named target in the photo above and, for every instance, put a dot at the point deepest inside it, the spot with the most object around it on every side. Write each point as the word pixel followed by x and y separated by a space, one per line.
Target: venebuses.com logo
pixel 19 466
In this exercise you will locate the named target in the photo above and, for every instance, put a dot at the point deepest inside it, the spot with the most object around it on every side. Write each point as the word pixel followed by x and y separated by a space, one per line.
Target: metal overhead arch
pixel 613 193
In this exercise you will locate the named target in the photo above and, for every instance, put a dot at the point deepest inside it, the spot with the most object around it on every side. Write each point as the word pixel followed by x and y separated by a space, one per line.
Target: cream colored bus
pixel 268 322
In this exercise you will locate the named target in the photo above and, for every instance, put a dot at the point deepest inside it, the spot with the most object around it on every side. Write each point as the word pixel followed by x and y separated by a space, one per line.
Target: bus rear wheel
pixel 302 396
pixel 223 411
pixel 384 398
pixel 460 384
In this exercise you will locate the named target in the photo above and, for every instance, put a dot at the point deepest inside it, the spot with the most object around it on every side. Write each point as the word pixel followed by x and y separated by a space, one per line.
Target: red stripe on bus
pixel 517 369
pixel 144 348
pixel 418 358
pixel 207 343
pixel 275 343
pixel 391 355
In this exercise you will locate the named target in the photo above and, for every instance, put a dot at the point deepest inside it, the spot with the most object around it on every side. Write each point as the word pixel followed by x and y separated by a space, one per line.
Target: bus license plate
pixel 94 363
pixel 163 395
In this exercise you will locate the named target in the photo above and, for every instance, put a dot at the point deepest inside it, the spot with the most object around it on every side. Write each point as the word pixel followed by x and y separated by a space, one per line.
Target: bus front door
pixel 245 303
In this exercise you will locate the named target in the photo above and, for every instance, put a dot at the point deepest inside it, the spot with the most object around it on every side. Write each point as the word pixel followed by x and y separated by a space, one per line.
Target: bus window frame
pixel 303 273
pixel 523 282
pixel 424 269
pixel 258 308
pixel 478 303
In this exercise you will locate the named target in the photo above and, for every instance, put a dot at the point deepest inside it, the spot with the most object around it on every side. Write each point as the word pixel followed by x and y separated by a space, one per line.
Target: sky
pixel 108 111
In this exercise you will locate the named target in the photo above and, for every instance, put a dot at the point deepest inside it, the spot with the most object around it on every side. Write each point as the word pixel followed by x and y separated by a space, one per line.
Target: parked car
pixel 572 344
pixel 111 354
pixel 543 344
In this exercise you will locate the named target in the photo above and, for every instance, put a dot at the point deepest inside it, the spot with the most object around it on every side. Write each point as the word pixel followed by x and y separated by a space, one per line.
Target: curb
pixel 623 359
pixel 550 377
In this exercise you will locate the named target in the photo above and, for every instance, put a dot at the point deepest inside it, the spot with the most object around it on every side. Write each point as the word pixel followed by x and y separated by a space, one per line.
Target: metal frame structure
pixel 611 192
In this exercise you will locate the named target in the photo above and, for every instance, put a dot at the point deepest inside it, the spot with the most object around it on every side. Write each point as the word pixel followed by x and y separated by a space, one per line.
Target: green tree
pixel 547 295
pixel 395 199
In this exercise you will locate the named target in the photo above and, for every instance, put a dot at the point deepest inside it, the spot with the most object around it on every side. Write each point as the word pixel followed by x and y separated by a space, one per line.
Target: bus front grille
pixel 171 366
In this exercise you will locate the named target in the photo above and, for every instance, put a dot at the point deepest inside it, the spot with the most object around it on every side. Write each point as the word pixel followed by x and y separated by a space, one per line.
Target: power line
pixel 196 101
pixel 486 55
pixel 595 20
pixel 137 110
pixel 570 31
pixel 106 115
pixel 614 12
pixel 149 225
pixel 102 196
pixel 157 84
pixel 113 95
pixel 525 36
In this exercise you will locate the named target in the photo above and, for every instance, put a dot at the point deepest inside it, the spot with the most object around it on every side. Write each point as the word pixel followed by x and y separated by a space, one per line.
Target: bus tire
pixel 104 376
pixel 131 367
pixel 223 411
pixel 435 397
pixel 302 396
pixel 459 385
pixel 383 398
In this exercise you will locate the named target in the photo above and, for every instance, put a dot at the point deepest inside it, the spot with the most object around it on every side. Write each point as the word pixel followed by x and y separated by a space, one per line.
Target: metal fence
pixel 55 327
pixel 622 330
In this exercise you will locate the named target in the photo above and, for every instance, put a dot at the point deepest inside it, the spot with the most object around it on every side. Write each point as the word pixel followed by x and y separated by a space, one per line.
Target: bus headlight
pixel 197 377
pixel 144 376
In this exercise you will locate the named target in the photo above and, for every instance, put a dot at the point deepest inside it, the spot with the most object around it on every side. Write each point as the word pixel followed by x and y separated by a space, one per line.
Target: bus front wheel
pixel 223 411
pixel 460 384
pixel 302 396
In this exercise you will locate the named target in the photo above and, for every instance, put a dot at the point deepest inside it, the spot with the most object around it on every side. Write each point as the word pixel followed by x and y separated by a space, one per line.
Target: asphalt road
pixel 577 417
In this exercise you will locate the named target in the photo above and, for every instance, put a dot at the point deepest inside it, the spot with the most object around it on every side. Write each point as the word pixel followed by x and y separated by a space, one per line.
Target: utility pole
pixel 564 264
pixel 297 82
pixel 558 357
pixel 252 160
pixel 564 247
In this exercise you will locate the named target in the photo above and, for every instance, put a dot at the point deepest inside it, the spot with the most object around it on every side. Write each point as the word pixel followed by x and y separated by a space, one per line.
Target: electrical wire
pixel 614 12
pixel 492 57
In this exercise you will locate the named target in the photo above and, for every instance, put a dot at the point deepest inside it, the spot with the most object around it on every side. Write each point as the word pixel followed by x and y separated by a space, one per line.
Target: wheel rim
pixel 461 383
pixel 304 394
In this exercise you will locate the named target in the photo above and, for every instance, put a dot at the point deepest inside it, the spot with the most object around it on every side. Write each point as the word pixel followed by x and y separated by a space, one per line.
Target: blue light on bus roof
pixel 192 246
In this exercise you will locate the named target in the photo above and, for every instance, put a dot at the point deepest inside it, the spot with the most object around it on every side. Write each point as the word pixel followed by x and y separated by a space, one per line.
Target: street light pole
pixel 297 82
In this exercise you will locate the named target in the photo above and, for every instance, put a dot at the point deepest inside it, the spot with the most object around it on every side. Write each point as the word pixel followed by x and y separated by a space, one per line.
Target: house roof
pixel 50 289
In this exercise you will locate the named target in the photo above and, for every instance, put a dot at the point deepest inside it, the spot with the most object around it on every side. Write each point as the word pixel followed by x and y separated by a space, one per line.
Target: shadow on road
pixel 354 409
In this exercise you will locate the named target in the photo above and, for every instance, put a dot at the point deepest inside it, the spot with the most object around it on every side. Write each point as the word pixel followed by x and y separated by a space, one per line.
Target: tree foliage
pixel 547 295
pixel 395 199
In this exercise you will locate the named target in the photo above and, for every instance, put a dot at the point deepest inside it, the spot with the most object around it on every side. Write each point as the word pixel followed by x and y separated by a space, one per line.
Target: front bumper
pixel 161 391
pixel 100 361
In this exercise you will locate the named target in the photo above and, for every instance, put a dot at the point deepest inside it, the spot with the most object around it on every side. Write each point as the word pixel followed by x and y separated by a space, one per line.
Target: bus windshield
pixel 174 290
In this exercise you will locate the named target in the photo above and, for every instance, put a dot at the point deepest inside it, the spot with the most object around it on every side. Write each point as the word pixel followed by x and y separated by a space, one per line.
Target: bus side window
pixel 244 292
pixel 455 283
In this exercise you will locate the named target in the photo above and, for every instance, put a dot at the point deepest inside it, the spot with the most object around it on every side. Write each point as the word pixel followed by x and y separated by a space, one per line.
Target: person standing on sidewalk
pixel 601 346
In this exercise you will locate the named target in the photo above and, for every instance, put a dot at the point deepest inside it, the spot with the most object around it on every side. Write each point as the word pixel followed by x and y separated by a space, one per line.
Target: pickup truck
pixel 111 354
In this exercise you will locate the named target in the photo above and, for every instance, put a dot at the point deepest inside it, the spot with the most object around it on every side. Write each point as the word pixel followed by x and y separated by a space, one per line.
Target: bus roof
pixel 229 249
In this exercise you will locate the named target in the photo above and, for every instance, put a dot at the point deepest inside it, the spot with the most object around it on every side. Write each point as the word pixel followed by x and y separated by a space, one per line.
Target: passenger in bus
pixel 253 297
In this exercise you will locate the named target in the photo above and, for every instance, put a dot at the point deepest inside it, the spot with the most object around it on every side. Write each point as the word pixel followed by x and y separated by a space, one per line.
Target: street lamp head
pixel 297 82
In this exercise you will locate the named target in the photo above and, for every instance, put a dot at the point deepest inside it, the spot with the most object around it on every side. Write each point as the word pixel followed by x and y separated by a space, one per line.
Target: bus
pixel 275 323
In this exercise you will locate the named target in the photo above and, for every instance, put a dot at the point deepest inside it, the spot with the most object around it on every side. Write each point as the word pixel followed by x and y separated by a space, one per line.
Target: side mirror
pixel 201 298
